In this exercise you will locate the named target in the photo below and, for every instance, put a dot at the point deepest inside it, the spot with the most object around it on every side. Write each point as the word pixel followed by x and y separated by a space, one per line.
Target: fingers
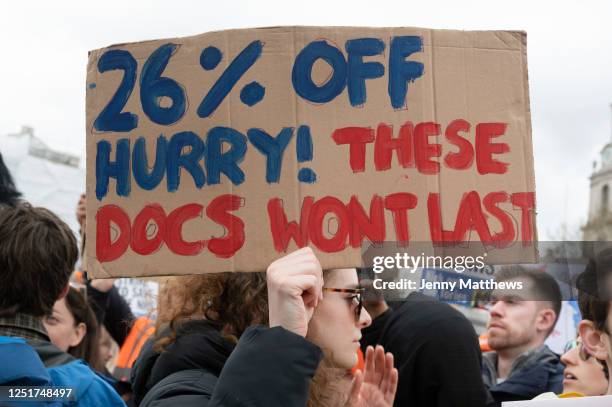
pixel 306 286
pixel 386 382
pixel 369 364
pixel 353 397
pixel 374 365
pixel 103 285
pixel 380 373
pixel 392 388
pixel 379 365
pixel 295 284
pixel 297 263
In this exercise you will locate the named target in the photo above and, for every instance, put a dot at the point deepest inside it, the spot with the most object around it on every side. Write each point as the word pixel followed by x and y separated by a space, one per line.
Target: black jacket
pixel 268 367
pixel 534 372
pixel 112 311
pixel 436 353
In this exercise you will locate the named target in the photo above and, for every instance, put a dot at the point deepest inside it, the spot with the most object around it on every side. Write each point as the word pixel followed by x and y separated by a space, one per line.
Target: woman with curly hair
pixel 256 339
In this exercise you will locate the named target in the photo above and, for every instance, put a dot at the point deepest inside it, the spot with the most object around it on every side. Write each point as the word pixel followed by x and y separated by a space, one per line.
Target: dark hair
pixel 545 286
pixel 8 192
pixel 37 255
pixel 89 348
pixel 230 301
pixel 593 293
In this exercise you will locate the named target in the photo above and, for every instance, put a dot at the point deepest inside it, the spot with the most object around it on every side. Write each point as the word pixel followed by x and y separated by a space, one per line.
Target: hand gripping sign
pixel 222 151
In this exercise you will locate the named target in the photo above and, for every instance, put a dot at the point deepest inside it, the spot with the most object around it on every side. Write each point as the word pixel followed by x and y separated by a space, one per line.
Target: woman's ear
pixel 79 333
pixel 595 340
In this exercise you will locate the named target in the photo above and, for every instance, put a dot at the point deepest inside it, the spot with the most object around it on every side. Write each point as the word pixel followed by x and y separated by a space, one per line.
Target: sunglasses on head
pixel 583 353
pixel 358 295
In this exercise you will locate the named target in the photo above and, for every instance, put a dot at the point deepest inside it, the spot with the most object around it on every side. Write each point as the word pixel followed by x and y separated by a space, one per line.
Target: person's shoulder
pixel 102 392
pixel 21 363
pixel 50 354
pixel 186 388
pixel 89 387
pixel 264 337
pixel 40 363
pixel 556 369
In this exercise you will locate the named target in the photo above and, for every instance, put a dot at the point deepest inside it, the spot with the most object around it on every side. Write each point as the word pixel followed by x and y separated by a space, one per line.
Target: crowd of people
pixel 293 335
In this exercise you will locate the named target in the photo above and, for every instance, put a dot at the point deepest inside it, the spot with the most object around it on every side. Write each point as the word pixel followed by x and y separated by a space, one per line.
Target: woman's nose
pixel 365 320
pixel 570 357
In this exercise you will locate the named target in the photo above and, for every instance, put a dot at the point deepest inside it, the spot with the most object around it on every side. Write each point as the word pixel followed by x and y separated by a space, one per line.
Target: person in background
pixel 583 374
pixel 230 328
pixel 81 212
pixel 110 308
pixel 521 366
pixel 37 255
pixel 9 195
pixel 435 348
pixel 106 346
pixel 595 301
pixel 73 328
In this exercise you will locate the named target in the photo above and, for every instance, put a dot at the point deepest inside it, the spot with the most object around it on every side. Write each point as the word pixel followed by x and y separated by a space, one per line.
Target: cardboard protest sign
pixel 141 295
pixel 223 151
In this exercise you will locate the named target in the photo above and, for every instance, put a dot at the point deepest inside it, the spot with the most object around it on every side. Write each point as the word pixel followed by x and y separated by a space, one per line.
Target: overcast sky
pixel 45 44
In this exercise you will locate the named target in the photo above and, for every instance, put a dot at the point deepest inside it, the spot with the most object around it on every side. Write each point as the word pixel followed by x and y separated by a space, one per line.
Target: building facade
pixel 599 223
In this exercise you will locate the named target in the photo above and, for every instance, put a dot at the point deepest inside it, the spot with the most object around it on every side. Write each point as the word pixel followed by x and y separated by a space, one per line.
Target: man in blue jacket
pixel 521 366
pixel 37 255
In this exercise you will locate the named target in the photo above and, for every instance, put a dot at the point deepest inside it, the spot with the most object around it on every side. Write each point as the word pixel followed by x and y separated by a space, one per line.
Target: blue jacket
pixel 39 363
pixel 533 373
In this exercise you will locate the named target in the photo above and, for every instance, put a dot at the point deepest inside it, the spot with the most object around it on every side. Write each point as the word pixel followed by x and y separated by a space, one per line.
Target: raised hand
pixel 376 387
pixel 294 290
pixel 103 284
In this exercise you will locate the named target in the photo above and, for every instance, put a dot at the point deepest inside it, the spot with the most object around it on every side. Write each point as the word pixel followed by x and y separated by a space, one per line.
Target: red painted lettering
pixel 424 150
pixel 322 207
pixel 465 156
pixel 175 222
pixel 372 227
pixel 141 243
pixel 485 132
pixel 282 231
pixel 470 217
pixel 385 145
pixel 218 210
pixel 106 249
pixel 507 234
pixel 438 234
pixel 399 204
pixel 357 138
pixel 526 202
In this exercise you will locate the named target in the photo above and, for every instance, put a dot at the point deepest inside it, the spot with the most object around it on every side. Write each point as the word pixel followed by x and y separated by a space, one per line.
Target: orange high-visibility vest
pixel 360 365
pixel 142 330
pixel 483 341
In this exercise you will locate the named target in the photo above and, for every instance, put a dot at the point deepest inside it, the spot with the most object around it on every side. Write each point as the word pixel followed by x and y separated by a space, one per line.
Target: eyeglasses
pixel 358 295
pixel 583 353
